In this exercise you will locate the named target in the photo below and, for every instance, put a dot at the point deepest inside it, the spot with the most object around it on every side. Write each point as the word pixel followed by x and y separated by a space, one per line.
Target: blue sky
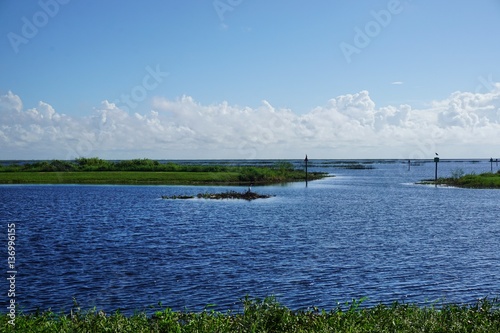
pixel 175 59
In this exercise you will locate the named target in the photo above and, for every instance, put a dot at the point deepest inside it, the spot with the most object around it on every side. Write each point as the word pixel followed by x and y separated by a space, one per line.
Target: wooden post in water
pixel 491 162
pixel 306 160
pixel 409 164
pixel 436 160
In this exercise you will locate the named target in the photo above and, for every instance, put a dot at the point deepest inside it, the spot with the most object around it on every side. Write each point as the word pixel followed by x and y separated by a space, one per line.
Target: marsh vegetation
pixel 146 171
pixel 246 195
pixel 459 179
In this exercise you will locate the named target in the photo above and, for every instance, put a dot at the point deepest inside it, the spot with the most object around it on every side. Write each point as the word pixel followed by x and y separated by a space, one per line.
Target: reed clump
pixel 247 195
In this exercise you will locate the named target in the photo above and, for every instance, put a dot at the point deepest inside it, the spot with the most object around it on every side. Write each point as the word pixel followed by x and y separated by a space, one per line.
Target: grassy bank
pixel 484 180
pixel 145 171
pixel 118 177
pixel 269 316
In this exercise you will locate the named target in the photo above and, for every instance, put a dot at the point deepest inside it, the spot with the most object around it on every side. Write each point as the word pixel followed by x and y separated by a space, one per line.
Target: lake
pixel 363 233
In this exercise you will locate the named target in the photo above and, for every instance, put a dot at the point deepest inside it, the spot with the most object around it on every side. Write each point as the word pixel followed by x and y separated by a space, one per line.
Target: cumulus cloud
pixel 470 109
pixel 10 103
pixel 347 126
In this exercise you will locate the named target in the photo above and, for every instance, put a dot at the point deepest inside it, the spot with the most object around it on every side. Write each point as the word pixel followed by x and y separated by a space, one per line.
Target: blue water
pixel 370 233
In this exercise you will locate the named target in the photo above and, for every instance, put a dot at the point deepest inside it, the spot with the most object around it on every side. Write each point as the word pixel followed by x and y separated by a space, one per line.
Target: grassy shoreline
pixel 149 172
pixel 486 180
pixel 118 177
pixel 267 315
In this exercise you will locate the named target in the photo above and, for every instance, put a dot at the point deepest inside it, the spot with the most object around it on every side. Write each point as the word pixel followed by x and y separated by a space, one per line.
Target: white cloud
pixel 470 109
pixel 397 83
pixel 10 102
pixel 349 126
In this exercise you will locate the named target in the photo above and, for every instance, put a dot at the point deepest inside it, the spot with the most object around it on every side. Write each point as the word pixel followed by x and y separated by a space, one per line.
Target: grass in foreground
pixel 268 315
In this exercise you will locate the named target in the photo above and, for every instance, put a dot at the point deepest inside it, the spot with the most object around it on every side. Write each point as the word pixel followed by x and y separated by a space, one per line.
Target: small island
pixel 247 195
pixel 486 180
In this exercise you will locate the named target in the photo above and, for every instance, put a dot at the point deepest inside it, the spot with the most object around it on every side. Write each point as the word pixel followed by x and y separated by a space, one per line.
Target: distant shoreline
pixel 140 178
pixel 150 172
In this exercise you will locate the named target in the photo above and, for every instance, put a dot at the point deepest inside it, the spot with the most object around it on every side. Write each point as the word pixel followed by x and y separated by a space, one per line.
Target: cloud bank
pixel 349 126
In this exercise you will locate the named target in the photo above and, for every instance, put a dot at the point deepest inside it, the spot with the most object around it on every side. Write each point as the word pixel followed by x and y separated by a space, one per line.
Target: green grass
pixel 484 180
pixel 267 315
pixel 247 175
pixel 117 177
pixel 145 171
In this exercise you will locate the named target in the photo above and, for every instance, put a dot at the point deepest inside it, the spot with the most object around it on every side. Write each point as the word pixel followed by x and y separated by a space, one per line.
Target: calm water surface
pixel 362 233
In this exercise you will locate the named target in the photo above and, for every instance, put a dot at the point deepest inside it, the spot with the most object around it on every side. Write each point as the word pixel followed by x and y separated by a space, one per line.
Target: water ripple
pixel 343 238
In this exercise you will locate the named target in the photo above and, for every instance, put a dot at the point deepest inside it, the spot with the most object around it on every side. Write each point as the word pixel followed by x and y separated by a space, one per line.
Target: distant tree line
pixel 97 164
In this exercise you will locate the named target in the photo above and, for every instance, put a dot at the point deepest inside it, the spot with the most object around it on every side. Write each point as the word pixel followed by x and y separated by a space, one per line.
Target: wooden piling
pixel 306 160
pixel 436 160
